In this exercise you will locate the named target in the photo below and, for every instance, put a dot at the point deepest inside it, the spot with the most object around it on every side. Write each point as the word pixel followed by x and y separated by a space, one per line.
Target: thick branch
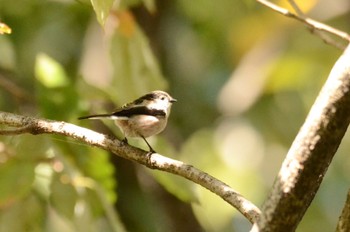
pixel 155 161
pixel 311 153
pixel 344 220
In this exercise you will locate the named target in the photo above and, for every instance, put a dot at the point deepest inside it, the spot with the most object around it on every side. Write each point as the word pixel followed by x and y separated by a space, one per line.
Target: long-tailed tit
pixel 144 117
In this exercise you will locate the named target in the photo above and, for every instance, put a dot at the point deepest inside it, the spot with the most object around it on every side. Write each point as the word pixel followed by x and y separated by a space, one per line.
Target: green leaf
pixel 127 4
pixel 178 186
pixel 8 54
pixel 56 94
pixel 150 5
pixel 211 151
pixel 25 215
pixel 49 72
pixel 102 9
pixel 16 179
pixel 94 202
pixel 31 148
pixel 136 70
pixel 95 163
pixel 63 196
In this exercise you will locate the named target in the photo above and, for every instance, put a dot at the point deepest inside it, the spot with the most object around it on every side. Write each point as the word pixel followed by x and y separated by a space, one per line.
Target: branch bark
pixel 310 154
pixel 22 124
pixel 314 25
pixel 344 220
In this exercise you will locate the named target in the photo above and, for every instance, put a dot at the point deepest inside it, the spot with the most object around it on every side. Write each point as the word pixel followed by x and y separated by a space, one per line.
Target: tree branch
pixel 344 220
pixel 310 154
pixel 296 7
pixel 312 24
pixel 35 126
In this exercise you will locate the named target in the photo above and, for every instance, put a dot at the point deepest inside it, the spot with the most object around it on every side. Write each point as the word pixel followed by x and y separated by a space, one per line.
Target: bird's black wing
pixel 138 110
pixel 95 116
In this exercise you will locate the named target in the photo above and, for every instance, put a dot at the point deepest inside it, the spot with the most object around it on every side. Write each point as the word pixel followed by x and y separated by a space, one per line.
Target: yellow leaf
pixel 4 29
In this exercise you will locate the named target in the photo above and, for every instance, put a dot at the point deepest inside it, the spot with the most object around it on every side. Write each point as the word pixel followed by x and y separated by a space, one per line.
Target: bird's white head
pixel 157 99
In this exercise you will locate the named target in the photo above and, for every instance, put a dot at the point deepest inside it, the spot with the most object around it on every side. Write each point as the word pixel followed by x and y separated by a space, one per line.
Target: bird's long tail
pixel 96 116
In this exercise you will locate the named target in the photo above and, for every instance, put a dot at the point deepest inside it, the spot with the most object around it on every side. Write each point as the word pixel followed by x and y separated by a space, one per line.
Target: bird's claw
pixel 125 141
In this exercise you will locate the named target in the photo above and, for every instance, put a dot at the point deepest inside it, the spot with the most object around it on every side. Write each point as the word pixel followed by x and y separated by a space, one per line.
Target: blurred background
pixel 244 77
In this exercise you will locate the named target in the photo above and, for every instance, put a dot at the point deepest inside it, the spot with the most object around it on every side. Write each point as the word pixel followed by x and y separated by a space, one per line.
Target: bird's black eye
pixel 162 98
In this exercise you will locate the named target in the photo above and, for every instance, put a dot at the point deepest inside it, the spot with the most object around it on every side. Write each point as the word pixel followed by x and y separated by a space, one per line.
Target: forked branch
pixel 314 25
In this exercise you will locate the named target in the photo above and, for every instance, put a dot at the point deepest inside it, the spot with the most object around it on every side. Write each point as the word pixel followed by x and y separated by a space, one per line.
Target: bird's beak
pixel 173 100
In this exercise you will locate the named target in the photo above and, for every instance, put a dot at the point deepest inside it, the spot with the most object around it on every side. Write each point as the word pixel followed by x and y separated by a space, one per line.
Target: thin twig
pixel 296 7
pixel 8 85
pixel 326 38
pixel 155 161
pixel 313 24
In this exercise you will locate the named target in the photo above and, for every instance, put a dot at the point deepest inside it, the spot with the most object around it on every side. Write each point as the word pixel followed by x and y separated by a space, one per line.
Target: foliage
pixel 244 78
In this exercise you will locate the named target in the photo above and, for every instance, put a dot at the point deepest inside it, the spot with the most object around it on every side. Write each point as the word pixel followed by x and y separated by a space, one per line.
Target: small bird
pixel 144 117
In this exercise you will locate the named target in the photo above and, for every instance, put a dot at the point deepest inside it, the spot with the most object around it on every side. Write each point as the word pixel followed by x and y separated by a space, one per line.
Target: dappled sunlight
pixel 212 212
pixel 95 65
pixel 236 164
pixel 247 82
pixel 240 145
pixel 287 174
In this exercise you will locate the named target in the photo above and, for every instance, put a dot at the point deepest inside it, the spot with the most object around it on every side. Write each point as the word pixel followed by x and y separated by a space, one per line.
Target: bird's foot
pixel 125 141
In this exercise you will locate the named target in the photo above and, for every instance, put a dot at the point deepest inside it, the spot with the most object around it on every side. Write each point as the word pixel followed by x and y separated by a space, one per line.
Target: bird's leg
pixel 125 140
pixel 150 148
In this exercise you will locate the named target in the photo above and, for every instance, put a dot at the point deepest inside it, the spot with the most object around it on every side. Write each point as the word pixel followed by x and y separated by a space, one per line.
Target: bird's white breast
pixel 141 125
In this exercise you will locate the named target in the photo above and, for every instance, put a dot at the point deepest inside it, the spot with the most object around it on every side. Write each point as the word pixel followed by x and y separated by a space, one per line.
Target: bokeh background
pixel 244 76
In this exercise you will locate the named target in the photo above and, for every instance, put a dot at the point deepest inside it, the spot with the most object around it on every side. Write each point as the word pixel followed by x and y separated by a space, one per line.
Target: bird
pixel 144 117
